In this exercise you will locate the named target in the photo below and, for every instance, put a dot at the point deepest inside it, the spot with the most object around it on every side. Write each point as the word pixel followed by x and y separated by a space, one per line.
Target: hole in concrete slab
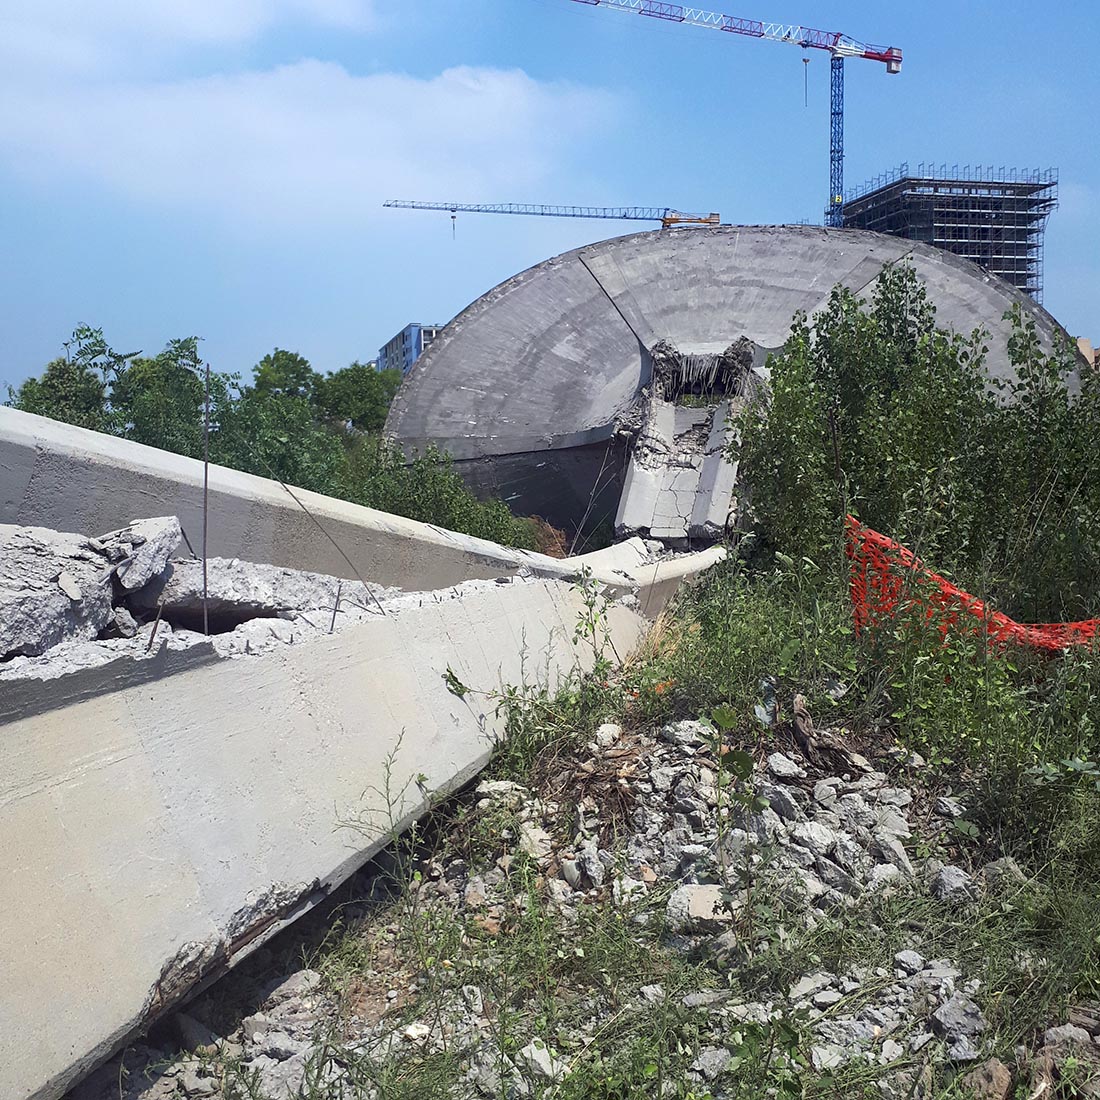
pixel 222 618
pixel 701 378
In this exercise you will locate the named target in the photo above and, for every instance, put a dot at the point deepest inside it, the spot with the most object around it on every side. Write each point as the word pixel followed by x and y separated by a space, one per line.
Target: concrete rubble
pixel 238 591
pixel 70 602
pixel 823 845
pixel 57 587
pixel 680 481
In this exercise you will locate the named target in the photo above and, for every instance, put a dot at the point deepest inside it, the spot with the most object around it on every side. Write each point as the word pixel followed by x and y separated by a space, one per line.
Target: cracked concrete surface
pixel 680 484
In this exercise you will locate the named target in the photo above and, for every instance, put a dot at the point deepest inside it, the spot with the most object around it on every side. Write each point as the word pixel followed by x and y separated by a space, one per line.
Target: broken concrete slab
pixel 238 591
pixel 203 796
pixel 679 483
pixel 54 587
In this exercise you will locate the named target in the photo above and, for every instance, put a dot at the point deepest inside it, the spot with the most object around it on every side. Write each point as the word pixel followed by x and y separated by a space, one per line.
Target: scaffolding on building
pixel 995 217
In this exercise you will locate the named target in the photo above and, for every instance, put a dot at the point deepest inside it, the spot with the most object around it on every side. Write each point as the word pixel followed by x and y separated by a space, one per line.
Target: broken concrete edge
pixel 57 587
pixel 75 480
pixel 200 802
pixel 679 483
pixel 253 608
pixel 659 582
pixel 197 966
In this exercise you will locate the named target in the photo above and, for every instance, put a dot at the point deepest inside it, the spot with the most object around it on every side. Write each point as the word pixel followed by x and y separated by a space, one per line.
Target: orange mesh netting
pixel 887 579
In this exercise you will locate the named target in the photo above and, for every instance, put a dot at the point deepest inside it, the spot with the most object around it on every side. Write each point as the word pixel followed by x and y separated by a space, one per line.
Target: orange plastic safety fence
pixel 886 579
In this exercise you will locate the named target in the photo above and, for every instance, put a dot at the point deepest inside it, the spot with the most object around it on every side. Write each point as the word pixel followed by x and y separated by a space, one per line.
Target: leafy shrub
pixel 876 411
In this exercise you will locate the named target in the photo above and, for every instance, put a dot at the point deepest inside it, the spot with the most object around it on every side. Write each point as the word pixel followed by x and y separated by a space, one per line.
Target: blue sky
pixel 217 167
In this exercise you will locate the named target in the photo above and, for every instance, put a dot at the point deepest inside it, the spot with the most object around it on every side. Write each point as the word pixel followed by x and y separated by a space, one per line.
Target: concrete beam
pixel 71 479
pixel 162 818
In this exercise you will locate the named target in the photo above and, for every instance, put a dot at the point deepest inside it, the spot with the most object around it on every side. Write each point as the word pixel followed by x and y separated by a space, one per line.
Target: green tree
pixel 358 395
pixel 279 437
pixel 159 401
pixel 67 391
pixel 285 374
pixel 291 425
pixel 75 388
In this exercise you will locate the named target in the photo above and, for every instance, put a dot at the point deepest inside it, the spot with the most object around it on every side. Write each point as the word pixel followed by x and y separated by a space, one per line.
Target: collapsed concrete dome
pixel 566 383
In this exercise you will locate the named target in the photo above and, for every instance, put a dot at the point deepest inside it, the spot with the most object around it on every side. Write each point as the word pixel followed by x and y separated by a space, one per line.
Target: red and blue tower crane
pixel 839 46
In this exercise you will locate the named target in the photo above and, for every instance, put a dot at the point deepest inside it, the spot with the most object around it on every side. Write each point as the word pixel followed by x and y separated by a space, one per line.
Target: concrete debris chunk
pixel 811 984
pixel 783 767
pixel 1068 1035
pixel 712 1062
pixel 910 961
pixel 537 1058
pixel 952 884
pixel 194 1085
pixel 608 734
pixel 697 908
pixel 687 733
pixel 958 1016
pixel 949 807
pixel 535 841
pixel 67 583
pixel 780 800
pixel 54 588
pixel 819 839
pixel 143 549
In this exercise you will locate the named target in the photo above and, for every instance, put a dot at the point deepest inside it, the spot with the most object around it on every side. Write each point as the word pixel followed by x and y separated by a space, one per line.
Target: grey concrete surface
pixel 70 479
pixel 679 485
pixel 555 358
pixel 159 827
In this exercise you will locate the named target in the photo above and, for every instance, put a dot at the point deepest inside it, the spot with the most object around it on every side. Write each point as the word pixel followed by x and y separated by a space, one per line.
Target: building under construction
pixel 995 217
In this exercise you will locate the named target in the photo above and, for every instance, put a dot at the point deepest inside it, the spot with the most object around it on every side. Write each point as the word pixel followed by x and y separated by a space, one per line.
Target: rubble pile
pixel 692 852
pixel 70 601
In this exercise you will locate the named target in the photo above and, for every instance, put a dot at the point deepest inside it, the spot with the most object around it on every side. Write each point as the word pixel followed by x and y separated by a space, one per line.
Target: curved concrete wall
pixel 551 356
pixel 533 386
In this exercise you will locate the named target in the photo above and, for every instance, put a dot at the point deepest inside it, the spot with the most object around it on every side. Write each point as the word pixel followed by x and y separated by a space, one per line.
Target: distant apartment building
pixel 406 347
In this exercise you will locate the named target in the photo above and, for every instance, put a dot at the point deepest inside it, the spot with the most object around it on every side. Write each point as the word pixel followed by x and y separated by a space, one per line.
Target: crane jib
pixel 839 46
pixel 835 42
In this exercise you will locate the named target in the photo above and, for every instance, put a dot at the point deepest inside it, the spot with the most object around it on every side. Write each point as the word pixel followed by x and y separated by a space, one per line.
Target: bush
pixel 877 412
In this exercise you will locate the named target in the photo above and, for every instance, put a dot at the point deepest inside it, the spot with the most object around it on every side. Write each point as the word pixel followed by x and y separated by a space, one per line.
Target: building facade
pixel 995 217
pixel 400 352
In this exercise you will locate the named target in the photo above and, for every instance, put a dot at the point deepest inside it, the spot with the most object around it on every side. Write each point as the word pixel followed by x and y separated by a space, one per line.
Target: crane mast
pixel 838 45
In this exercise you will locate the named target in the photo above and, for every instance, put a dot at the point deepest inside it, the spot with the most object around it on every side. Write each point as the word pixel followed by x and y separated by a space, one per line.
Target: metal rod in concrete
pixel 205 497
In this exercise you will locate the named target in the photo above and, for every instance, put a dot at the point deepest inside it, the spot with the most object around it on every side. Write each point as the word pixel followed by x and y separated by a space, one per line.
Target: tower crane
pixel 663 214
pixel 838 45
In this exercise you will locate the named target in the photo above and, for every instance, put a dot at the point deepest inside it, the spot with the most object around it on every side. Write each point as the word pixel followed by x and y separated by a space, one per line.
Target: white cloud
pixel 178 21
pixel 303 144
